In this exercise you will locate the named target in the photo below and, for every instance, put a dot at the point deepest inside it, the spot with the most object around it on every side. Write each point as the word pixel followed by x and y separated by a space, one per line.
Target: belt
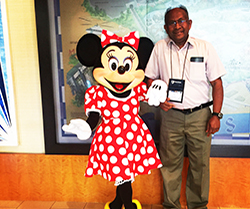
pixel 188 111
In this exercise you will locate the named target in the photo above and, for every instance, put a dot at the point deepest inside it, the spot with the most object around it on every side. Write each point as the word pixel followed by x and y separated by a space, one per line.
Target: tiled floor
pixel 5 204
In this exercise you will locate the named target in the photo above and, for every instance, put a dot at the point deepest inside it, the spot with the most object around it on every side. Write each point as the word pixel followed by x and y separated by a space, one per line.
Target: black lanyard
pixel 171 43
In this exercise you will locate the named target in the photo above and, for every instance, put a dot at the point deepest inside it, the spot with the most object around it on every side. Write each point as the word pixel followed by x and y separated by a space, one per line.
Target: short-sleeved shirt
pixel 122 146
pixel 201 65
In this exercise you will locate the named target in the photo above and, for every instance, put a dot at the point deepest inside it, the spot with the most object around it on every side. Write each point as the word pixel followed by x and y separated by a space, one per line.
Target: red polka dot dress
pixel 122 147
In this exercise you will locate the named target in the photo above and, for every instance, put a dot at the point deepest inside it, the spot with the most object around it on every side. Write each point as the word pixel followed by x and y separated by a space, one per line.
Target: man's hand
pixel 166 105
pixel 213 125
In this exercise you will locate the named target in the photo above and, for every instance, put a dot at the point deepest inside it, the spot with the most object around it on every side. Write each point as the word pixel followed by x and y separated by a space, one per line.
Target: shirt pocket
pixel 197 70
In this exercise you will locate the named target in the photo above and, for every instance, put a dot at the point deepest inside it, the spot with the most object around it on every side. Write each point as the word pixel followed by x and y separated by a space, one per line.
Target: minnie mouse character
pixel 122 146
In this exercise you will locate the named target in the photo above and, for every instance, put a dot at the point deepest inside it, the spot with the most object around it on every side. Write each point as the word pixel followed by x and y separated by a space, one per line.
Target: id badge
pixel 175 90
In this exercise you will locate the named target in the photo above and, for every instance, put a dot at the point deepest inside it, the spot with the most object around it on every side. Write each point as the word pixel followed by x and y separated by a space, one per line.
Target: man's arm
pixel 217 93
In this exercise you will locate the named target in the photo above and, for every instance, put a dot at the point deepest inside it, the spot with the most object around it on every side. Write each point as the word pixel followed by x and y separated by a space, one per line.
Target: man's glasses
pixel 174 23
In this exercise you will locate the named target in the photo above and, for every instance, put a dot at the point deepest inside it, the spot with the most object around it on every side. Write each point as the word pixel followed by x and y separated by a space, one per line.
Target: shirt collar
pixel 190 41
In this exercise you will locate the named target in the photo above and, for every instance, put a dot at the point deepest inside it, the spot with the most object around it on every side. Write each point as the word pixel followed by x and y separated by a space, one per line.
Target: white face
pixel 119 72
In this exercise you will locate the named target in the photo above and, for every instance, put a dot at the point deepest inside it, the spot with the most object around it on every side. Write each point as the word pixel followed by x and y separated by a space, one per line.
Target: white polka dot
pixel 95 147
pixel 113 159
pixel 107 113
pixel 131 41
pixel 100 94
pixel 139 139
pixel 114 104
pixel 142 132
pixel 116 170
pixel 125 108
pixel 100 138
pixel 95 165
pixel 99 130
pixel 116 113
pixel 104 103
pixel 144 87
pixel 103 37
pixel 107 129
pixel 127 172
pixel 117 130
pixel 91 159
pixel 125 125
pixel 99 172
pixel 122 151
pixel 130 156
pixel 102 167
pixel 134 101
pixel 116 121
pixel 108 139
pixel 127 117
pixel 89 171
pixel 130 135
pixel 107 167
pixel 125 161
pixel 145 162
pixel 119 141
pixel 99 104
pixel 150 149
pixel 134 127
pixel 101 148
pixel 126 144
pixel 104 157
pixel 140 169
pixel 149 137
pixel 137 34
pixel 104 175
pixel 109 33
pixel 135 110
pixel 111 149
pixel 137 120
pixel 144 126
pixel 143 151
pixel 137 157
pixel 151 161
pixel 134 147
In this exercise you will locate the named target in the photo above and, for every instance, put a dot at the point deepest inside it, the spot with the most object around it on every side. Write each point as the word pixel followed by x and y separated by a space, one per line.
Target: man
pixel 190 67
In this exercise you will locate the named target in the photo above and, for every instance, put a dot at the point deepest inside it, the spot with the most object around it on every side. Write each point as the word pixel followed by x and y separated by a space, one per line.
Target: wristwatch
pixel 219 115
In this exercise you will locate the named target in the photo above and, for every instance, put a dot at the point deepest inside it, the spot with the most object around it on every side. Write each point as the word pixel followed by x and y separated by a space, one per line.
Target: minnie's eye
pixel 128 64
pixel 113 64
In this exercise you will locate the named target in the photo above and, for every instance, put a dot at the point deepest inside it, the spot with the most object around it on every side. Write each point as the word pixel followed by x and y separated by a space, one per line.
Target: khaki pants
pixel 178 129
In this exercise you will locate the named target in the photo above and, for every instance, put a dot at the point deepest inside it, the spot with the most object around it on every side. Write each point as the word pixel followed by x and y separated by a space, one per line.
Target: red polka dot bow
pixel 131 38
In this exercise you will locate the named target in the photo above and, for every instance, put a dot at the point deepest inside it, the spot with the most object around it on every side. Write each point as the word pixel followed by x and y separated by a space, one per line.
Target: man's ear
pixel 144 51
pixel 88 49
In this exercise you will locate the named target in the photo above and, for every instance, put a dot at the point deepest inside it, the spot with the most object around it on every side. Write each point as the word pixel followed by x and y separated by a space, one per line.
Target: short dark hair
pixel 171 8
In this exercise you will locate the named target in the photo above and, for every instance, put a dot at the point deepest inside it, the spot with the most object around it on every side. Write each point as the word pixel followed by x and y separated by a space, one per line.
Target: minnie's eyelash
pixel 109 55
pixel 132 57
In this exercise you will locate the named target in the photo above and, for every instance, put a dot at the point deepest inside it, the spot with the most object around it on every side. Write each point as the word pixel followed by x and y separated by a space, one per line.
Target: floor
pixel 5 204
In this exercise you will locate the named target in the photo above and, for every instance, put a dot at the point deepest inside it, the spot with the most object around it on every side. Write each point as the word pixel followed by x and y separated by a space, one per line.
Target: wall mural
pixel 223 23
pixel 8 132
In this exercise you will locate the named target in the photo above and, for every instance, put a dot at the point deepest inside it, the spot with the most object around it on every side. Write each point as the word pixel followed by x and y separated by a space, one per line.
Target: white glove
pixel 79 127
pixel 157 93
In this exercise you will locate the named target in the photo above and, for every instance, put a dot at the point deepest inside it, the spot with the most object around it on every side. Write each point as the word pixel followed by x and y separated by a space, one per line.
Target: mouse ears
pixel 89 48
pixel 144 51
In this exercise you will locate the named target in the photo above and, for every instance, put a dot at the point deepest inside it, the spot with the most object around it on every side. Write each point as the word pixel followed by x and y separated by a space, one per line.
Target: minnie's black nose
pixel 121 70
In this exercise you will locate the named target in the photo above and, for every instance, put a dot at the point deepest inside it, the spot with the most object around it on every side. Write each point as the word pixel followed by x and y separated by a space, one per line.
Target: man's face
pixel 178 26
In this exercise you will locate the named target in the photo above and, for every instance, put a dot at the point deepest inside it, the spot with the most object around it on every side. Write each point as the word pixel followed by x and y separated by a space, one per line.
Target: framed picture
pixel 8 130
pixel 61 23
